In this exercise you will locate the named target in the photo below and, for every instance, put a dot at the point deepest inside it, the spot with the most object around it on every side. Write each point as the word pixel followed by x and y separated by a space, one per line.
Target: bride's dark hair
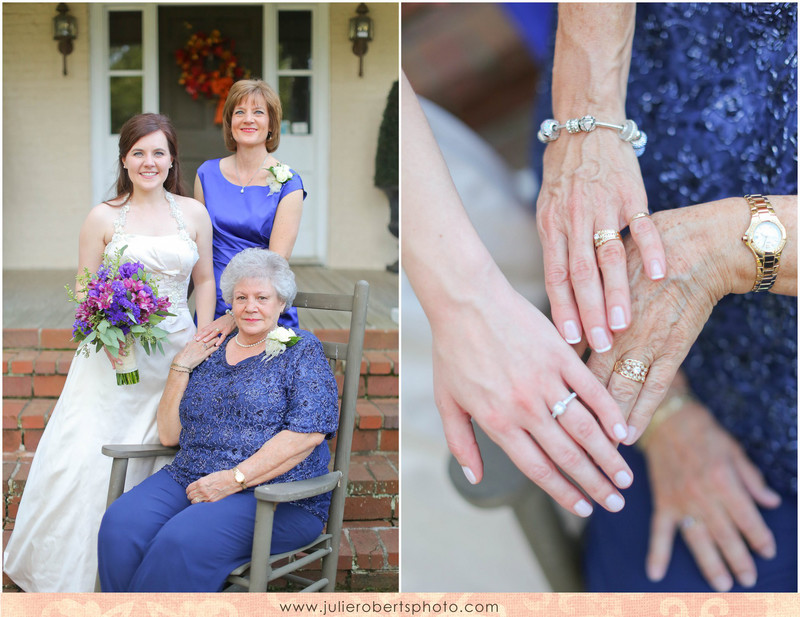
pixel 132 131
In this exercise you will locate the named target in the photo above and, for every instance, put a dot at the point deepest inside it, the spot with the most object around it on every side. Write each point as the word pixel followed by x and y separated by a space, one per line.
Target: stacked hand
pixel 667 315
pixel 704 485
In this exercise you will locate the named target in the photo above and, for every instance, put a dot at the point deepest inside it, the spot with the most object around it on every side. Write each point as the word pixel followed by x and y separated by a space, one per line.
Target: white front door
pixel 132 68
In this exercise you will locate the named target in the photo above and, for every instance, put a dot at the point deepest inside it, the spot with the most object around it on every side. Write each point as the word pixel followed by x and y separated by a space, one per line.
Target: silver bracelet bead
pixel 550 130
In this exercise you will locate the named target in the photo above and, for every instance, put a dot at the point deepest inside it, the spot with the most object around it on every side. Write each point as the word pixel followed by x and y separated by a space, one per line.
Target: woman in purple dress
pixel 252 198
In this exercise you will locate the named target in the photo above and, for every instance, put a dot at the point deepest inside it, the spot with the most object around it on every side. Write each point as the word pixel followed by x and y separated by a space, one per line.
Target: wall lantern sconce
pixel 65 30
pixel 361 31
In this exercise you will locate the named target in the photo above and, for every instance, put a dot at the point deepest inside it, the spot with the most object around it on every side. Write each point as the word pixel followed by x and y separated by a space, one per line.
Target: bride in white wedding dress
pixel 53 545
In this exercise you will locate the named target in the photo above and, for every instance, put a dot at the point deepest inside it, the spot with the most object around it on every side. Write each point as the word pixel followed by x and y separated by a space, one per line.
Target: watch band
pixel 766 265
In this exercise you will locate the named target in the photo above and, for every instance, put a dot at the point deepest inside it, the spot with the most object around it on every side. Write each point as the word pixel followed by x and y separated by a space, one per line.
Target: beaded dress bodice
pixel 170 258
pixel 715 87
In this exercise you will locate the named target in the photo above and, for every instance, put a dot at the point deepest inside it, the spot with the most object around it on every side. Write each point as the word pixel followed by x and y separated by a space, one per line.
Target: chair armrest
pixel 138 450
pixel 300 489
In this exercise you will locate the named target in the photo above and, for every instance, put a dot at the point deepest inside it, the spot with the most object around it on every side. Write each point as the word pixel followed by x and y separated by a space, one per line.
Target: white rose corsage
pixel 278 340
pixel 281 174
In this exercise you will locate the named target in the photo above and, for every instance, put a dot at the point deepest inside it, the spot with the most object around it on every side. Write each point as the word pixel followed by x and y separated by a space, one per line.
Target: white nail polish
pixel 582 508
pixel 620 432
pixel 722 583
pixel 623 479
pixel 600 340
pixel 571 333
pixel 617 318
pixel 469 475
pixel 615 503
pixel 656 272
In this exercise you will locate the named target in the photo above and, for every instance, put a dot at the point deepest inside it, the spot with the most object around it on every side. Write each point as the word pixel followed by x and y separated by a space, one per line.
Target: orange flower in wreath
pixel 209 67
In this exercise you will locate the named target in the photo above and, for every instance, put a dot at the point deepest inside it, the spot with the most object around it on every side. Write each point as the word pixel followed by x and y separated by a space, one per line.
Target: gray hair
pixel 261 264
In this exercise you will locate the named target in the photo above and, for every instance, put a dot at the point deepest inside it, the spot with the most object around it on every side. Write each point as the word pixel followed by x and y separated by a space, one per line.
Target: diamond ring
pixel 601 236
pixel 687 522
pixel 561 406
pixel 632 369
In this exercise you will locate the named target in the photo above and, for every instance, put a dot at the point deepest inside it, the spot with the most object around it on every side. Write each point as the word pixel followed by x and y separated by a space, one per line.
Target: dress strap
pixel 121 220
pixel 176 212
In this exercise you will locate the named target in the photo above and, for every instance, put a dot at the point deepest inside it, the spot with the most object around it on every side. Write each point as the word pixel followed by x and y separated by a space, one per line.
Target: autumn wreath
pixel 210 66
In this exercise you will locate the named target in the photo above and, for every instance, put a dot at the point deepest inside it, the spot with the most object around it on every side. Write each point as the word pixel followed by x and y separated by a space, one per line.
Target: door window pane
pixel 126 100
pixel 294 40
pixel 295 92
pixel 125 40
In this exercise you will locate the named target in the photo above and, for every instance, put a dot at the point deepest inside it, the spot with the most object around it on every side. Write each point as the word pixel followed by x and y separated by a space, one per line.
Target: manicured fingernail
pixel 582 508
pixel 617 318
pixel 656 271
pixel 655 573
pixel 631 436
pixel 615 503
pixel 768 552
pixel 600 340
pixel 722 583
pixel 747 579
pixel 571 333
pixel 470 476
pixel 623 479
pixel 620 432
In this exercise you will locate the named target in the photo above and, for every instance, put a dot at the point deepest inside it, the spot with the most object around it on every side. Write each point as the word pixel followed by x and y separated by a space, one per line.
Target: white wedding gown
pixel 54 543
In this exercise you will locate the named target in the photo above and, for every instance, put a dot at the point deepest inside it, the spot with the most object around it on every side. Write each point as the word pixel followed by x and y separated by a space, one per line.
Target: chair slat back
pixel 351 353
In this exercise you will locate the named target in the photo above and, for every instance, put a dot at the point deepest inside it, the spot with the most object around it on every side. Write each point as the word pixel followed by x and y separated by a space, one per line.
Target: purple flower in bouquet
pixel 118 304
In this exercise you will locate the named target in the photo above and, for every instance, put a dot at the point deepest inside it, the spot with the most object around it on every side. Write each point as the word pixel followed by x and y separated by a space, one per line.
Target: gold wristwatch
pixel 765 237
pixel 239 477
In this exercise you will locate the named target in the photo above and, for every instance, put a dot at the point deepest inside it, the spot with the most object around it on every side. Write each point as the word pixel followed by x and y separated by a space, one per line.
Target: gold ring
pixel 632 369
pixel 605 235
pixel 638 215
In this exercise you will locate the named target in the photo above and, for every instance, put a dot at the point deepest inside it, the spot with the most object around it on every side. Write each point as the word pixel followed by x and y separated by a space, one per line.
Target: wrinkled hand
pixel 507 371
pixel 668 315
pixel 592 182
pixel 213 487
pixel 194 353
pixel 216 331
pixel 703 484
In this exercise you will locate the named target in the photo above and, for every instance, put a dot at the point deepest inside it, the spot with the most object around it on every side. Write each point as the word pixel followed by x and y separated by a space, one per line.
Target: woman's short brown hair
pixel 240 91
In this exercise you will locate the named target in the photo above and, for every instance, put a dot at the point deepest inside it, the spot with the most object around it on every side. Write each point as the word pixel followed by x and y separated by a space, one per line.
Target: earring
pixel 269 134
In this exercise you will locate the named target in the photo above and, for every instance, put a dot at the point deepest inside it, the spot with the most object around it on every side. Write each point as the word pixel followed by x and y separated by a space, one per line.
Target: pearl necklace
pixel 236 338
pixel 236 166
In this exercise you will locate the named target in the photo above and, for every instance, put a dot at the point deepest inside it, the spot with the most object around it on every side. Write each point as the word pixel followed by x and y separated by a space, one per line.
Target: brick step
pixel 372 487
pixel 369 559
pixel 376 425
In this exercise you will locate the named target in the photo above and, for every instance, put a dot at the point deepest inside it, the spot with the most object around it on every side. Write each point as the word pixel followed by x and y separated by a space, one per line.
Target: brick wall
pixel 35 365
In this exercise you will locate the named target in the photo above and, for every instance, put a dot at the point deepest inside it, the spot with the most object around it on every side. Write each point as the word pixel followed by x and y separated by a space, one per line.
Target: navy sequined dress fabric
pixel 715 85
pixel 229 411
pixel 715 88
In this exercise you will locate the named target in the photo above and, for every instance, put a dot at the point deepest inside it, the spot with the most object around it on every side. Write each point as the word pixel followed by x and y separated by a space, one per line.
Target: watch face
pixel 767 237
pixel 238 476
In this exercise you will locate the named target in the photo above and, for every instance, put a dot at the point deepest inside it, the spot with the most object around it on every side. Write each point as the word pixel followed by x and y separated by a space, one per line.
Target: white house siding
pixel 357 209
pixel 46 119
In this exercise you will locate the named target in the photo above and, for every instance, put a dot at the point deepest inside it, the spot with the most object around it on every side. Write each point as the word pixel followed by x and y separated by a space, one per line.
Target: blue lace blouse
pixel 228 412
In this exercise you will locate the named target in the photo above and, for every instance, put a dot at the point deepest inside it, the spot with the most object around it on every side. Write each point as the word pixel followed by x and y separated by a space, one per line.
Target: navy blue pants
pixel 617 543
pixel 153 539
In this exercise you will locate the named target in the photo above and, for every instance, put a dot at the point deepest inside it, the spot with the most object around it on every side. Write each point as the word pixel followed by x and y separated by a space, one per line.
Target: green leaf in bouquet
pixel 146 345
pixel 160 347
pixel 103 326
pixel 105 338
pixel 137 329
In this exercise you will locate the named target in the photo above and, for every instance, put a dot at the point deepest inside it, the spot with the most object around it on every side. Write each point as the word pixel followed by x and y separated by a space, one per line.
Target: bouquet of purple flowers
pixel 118 305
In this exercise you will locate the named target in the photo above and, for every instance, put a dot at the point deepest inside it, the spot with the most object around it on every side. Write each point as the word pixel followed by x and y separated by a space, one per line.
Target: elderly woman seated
pixel 257 409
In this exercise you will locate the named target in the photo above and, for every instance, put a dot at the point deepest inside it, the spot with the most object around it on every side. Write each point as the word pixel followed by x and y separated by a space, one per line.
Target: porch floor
pixel 36 298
